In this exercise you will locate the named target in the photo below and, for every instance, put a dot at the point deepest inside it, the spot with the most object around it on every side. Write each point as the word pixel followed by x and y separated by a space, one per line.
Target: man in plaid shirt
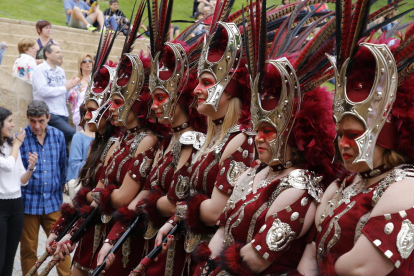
pixel 43 196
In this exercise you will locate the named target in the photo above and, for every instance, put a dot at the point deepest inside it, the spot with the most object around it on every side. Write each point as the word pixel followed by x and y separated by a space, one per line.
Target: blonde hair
pixel 393 159
pixel 24 44
pixel 231 118
pixel 81 58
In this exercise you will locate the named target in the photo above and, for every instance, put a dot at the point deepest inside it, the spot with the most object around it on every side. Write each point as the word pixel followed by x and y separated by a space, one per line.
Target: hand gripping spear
pixel 117 245
pixel 45 255
pixel 146 262
pixel 74 239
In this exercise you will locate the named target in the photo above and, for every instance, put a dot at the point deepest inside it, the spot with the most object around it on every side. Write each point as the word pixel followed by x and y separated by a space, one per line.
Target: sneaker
pixel 91 28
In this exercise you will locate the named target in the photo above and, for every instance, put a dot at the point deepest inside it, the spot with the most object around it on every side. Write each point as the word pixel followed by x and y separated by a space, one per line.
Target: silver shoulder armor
pixel 194 138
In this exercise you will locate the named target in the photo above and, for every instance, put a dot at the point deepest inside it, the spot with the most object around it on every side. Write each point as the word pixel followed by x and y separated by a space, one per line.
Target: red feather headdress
pixel 283 77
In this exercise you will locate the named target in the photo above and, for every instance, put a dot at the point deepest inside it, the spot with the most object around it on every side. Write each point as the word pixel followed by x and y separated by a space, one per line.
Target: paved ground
pixel 17 270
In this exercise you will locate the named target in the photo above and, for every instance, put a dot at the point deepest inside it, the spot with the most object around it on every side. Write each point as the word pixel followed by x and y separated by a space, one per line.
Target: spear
pixel 74 239
pixel 143 265
pixel 45 255
pixel 116 246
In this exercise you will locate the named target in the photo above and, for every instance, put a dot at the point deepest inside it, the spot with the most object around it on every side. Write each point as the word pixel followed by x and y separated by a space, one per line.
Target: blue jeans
pixel 62 123
pixel 2 51
pixel 111 22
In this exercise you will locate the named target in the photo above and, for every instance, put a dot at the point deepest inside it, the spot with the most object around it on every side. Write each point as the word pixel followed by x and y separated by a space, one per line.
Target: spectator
pixel 25 64
pixel 205 3
pixel 50 85
pixel 200 28
pixel 114 16
pixel 94 7
pixel 43 196
pixel 174 31
pixel 78 153
pixel 285 2
pixel 44 29
pixel 79 16
pixel 207 22
pixel 77 93
pixel 195 9
pixel 387 16
pixel 12 176
pixel 3 48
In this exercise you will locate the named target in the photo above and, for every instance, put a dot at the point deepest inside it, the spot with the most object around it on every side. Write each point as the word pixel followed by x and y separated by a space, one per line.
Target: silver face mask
pixel 99 96
pixel 131 89
pixel 375 109
pixel 174 84
pixel 222 70
pixel 282 117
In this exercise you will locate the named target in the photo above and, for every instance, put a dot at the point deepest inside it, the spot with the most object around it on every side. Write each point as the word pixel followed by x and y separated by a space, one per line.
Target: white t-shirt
pixel 24 66
pixel 11 172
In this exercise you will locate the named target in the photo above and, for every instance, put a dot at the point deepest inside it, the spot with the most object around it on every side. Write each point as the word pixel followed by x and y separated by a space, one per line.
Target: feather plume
pixel 358 23
pixel 304 34
pixel 385 22
pixel 153 18
pixel 135 27
pixel 187 32
pixel 262 38
pixel 236 16
pixel 293 33
pixel 394 29
pixel 383 10
pixel 405 53
pixel 225 12
pixel 167 22
pixel 318 40
pixel 345 25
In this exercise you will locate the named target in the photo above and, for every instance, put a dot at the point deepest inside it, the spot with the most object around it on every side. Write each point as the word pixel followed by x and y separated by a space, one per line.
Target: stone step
pixel 58 32
pixel 73 42
pixel 86 46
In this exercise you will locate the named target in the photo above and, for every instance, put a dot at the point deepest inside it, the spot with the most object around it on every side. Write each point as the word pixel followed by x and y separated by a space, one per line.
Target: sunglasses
pixel 87 61
pixel 36 112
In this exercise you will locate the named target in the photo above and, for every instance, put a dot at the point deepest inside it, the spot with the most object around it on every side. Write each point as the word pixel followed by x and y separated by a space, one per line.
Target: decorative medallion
pixel 145 166
pixel 405 239
pixel 304 201
pixel 294 216
pixel 279 235
pixel 234 172
pixel 250 140
pixel 181 189
pixel 389 227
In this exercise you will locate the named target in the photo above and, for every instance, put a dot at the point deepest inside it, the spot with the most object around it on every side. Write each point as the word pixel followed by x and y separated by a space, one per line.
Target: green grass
pixel 52 10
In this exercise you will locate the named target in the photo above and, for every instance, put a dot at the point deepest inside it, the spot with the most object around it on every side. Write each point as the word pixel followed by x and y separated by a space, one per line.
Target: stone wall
pixel 15 95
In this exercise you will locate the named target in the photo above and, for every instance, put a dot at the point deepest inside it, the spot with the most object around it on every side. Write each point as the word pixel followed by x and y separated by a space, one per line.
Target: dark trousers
pixel 195 5
pixel 11 225
pixel 62 123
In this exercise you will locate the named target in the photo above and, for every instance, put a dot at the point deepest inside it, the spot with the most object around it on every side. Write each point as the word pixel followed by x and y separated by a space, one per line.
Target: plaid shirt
pixel 43 194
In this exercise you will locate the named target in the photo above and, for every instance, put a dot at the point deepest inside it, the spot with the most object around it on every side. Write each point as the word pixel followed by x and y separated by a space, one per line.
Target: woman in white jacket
pixel 12 176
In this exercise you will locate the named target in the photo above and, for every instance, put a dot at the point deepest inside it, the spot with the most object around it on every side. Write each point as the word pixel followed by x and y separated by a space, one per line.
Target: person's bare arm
pixel 253 258
pixel 211 209
pixel 365 258
pixel 129 188
pixel 308 265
